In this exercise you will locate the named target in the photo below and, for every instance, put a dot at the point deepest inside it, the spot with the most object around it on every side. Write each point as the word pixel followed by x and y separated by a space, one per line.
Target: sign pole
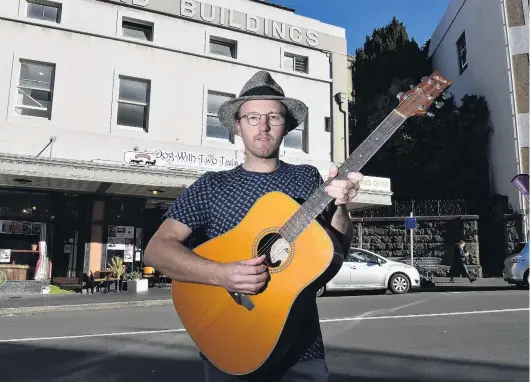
pixel 411 244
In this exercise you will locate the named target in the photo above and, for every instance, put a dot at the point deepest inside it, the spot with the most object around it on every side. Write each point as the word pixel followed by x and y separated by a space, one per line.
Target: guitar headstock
pixel 419 98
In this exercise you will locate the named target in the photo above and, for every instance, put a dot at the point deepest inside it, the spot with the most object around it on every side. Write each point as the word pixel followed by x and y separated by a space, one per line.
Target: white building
pixel 482 46
pixel 108 111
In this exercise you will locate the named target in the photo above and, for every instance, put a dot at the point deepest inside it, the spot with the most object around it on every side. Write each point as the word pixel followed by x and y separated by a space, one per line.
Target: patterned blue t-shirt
pixel 218 201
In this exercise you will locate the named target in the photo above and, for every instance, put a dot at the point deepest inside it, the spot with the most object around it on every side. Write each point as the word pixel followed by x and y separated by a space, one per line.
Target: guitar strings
pixel 287 228
pixel 319 198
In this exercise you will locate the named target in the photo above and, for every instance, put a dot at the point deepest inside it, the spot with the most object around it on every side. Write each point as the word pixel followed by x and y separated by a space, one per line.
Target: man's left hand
pixel 343 191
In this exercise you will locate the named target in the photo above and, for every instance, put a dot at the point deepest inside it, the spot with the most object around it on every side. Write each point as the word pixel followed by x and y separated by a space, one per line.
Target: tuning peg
pixel 430 115
pixel 399 95
pixel 424 78
pixel 411 86
pixel 438 104
pixel 446 95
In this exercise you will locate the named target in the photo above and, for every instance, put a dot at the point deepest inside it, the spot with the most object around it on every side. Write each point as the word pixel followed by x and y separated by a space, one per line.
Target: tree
pixel 426 158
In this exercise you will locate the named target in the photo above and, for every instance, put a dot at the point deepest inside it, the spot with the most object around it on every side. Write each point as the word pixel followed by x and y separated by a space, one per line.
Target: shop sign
pixel 370 183
pixel 179 160
pixel 5 255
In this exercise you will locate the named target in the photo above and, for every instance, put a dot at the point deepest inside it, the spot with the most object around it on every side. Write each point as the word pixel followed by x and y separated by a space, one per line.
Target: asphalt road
pixel 466 336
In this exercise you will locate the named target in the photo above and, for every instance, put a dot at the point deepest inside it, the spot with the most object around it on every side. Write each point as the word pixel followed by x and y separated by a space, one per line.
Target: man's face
pixel 261 137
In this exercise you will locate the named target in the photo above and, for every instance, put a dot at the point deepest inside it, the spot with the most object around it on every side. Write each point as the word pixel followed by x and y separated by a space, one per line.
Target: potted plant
pixel 136 283
pixel 34 247
pixel 117 268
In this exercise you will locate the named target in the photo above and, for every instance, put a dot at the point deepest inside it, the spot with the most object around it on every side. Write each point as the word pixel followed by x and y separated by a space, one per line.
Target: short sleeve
pixel 318 178
pixel 192 206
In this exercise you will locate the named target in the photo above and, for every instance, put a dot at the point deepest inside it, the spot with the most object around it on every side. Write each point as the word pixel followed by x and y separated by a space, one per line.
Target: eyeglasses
pixel 274 119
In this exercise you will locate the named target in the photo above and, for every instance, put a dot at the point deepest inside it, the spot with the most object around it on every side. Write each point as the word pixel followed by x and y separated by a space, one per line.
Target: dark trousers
pixel 306 371
pixel 459 269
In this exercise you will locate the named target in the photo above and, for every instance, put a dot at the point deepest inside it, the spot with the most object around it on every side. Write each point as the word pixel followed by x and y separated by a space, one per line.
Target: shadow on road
pixel 32 362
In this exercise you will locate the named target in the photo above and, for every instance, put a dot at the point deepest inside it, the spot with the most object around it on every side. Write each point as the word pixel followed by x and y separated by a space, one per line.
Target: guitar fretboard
pixel 319 200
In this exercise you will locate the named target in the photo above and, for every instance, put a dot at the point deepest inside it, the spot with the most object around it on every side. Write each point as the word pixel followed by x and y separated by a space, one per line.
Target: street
pixel 455 336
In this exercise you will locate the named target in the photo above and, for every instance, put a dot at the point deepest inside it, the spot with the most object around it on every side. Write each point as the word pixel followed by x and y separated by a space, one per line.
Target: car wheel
pixel 526 279
pixel 321 291
pixel 399 283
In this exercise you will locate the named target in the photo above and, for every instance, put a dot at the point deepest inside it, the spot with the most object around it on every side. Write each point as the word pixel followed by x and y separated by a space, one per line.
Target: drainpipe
pixel 342 100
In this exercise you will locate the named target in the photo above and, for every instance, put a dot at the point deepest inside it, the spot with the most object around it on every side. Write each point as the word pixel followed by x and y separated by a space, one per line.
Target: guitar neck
pixel 319 200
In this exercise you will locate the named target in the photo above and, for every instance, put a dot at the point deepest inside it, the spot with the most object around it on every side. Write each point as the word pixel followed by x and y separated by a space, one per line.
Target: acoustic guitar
pixel 245 334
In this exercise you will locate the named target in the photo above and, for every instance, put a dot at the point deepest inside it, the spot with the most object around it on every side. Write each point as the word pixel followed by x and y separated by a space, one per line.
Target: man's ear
pixel 238 127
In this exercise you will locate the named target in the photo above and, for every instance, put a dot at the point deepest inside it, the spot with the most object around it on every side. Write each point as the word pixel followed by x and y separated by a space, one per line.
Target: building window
pixel 44 10
pixel 137 29
pixel 133 102
pixel 214 129
pixel 35 89
pixel 223 47
pixel 462 52
pixel 297 138
pixel 295 63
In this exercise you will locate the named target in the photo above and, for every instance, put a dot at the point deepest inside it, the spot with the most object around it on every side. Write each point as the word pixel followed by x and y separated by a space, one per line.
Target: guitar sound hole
pixel 275 247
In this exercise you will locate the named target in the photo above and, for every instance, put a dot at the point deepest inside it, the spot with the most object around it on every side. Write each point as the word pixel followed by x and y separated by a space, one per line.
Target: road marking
pixel 424 315
pixel 94 335
pixel 358 318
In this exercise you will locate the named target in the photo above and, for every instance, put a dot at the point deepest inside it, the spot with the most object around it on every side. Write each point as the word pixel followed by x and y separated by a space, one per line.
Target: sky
pixel 361 17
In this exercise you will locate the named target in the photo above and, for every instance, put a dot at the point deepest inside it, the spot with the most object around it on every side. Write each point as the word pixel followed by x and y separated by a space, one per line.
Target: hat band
pixel 261 91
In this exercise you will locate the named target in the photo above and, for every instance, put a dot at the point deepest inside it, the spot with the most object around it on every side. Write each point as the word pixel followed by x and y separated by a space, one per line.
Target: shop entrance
pixel 70 234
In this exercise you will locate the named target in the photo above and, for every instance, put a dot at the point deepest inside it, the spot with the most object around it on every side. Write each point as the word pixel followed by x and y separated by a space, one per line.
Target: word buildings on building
pixel 108 110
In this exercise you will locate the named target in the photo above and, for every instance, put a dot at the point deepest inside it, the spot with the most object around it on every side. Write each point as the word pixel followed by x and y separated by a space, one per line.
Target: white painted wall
pixel 487 75
pixel 178 65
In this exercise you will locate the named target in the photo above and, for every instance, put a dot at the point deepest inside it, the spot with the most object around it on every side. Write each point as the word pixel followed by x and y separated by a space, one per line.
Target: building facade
pixel 483 46
pixel 108 111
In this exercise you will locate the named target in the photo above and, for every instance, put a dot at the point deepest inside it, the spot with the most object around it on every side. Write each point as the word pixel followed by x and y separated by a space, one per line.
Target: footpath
pixel 162 296
pixel 82 301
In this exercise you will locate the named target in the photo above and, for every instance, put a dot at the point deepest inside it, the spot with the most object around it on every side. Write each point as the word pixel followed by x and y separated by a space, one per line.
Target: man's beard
pixel 263 149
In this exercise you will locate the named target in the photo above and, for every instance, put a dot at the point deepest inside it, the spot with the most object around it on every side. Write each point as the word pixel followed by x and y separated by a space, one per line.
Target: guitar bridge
pixel 243 300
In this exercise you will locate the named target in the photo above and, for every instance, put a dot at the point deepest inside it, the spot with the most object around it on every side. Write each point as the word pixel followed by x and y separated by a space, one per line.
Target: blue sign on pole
pixel 410 223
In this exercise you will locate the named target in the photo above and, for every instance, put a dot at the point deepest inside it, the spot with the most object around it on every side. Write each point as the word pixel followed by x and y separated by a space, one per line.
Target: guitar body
pixel 241 337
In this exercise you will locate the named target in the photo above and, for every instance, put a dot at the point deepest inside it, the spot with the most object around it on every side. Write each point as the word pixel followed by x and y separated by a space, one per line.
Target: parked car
pixel 366 270
pixel 516 266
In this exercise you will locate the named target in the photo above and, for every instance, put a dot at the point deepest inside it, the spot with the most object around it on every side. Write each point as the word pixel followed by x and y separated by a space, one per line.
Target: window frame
pixel 225 42
pixel 305 145
pixel 146 105
pixel 231 136
pixel 139 23
pixel 295 56
pixel 462 66
pixel 45 3
pixel 51 91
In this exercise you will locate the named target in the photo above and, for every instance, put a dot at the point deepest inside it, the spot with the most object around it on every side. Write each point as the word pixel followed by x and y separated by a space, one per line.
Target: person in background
pixel 460 262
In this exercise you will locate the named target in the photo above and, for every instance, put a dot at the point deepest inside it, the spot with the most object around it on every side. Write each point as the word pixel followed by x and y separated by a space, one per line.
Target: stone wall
pixel 435 236
pixel 513 231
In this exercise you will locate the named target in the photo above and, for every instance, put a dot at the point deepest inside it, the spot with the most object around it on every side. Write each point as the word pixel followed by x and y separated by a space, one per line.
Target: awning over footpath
pixel 143 180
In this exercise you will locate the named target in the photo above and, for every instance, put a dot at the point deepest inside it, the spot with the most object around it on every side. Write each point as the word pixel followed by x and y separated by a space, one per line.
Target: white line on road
pixel 94 335
pixel 424 315
pixel 358 318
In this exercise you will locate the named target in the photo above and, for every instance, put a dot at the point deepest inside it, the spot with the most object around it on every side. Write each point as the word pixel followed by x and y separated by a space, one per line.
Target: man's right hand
pixel 246 276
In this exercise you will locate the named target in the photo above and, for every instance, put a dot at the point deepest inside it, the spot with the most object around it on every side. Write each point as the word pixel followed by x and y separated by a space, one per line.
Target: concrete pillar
pixel 95 247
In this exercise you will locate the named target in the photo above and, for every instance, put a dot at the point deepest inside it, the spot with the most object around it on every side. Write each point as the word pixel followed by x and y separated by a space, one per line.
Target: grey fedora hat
pixel 262 86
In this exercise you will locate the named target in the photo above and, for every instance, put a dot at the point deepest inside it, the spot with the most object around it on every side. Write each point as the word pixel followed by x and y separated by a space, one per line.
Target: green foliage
pixel 444 157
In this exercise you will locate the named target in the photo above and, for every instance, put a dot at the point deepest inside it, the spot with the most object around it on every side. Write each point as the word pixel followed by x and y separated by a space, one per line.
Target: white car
pixel 365 270
pixel 516 267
